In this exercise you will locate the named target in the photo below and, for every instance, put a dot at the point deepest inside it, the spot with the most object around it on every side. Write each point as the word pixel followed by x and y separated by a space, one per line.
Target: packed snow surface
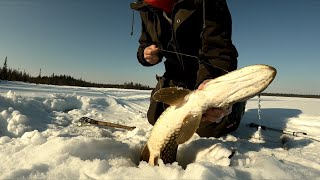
pixel 40 138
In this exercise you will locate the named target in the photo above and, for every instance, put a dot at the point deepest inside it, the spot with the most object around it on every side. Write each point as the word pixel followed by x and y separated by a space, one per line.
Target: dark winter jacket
pixel 200 28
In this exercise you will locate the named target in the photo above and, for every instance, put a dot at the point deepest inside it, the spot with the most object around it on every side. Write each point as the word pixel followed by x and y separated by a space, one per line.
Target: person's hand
pixel 151 54
pixel 214 114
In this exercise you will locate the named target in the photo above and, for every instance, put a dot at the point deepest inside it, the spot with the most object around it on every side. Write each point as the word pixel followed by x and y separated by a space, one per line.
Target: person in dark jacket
pixel 194 36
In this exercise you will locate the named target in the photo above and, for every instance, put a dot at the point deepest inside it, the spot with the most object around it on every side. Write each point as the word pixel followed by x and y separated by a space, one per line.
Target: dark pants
pixel 206 129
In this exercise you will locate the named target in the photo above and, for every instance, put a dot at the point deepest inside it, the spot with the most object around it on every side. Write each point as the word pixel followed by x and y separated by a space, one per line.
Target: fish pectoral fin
pixel 171 95
pixel 189 127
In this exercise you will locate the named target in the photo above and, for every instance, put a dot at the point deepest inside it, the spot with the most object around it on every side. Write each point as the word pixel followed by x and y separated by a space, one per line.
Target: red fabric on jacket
pixel 165 5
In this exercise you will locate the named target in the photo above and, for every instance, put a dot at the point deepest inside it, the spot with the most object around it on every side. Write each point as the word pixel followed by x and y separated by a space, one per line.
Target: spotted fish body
pixel 181 119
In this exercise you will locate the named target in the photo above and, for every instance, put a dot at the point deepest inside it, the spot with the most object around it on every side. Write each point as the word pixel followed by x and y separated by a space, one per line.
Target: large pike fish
pixel 181 119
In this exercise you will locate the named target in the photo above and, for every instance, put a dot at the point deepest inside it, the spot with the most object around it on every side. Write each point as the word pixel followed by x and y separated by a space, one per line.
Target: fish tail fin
pixel 146 156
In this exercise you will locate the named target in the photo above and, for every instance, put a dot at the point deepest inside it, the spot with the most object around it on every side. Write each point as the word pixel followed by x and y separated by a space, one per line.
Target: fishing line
pixel 196 57
pixel 179 53
pixel 259 108
pixel 259 114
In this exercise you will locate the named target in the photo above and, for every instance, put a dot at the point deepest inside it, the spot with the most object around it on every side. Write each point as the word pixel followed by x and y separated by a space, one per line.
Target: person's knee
pixel 154 111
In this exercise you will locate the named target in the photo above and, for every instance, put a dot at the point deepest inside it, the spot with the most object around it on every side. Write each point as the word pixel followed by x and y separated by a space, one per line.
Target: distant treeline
pixel 16 75
pixel 290 95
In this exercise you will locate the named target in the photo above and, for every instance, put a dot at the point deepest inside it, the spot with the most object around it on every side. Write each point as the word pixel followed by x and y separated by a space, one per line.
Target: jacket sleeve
pixel 218 55
pixel 145 40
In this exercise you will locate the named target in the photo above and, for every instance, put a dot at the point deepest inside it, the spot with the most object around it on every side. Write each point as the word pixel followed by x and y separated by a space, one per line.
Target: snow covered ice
pixel 40 139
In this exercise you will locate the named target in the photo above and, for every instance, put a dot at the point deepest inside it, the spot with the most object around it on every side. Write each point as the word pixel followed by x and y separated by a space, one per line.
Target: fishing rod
pixel 86 121
pixel 292 133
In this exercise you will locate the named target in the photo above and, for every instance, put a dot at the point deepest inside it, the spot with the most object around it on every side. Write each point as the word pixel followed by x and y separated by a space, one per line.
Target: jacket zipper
pixel 175 38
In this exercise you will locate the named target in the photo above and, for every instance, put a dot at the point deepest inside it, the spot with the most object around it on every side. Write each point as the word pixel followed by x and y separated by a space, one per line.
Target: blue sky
pixel 91 40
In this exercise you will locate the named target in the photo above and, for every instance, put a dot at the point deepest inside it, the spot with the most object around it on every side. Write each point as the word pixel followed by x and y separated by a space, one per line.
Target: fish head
pixel 239 85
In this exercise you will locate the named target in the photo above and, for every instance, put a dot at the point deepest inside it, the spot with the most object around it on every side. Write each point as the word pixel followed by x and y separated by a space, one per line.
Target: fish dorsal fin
pixel 189 127
pixel 171 95
pixel 169 153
